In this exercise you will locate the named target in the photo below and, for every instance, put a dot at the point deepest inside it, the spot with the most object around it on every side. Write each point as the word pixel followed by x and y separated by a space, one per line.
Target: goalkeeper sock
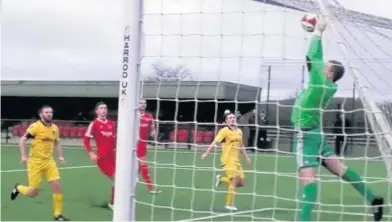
pixel 357 182
pixel 146 176
pixel 230 195
pixel 225 180
pixel 23 189
pixel 112 196
pixel 57 204
pixel 309 197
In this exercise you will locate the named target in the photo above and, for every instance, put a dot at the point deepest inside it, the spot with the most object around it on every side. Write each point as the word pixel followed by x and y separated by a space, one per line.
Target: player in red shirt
pixel 104 133
pixel 147 127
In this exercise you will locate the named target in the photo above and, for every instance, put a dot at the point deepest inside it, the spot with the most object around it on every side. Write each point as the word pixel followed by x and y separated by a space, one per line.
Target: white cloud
pixel 231 40
pixel 59 39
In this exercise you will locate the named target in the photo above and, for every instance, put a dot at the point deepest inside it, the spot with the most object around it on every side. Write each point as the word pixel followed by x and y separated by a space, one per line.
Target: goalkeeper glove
pixel 321 25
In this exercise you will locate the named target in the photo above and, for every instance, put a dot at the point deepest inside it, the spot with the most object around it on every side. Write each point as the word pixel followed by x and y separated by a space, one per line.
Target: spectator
pixel 340 131
pixel 243 123
pixel 263 130
pixel 254 134
pixel 238 115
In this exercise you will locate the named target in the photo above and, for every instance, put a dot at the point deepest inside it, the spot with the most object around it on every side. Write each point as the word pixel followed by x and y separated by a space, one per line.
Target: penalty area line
pixel 60 168
pixel 226 214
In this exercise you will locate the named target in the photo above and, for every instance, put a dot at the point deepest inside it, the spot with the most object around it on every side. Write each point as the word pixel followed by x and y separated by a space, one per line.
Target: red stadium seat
pixel 22 129
pixel 64 131
pixel 208 136
pixel 173 136
pixel 182 136
pixel 19 131
pixel 15 130
pixel 81 131
pixel 198 137
pixel 73 131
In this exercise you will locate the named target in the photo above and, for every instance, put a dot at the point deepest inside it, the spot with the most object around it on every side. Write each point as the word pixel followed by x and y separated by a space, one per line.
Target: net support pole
pixel 377 120
pixel 129 90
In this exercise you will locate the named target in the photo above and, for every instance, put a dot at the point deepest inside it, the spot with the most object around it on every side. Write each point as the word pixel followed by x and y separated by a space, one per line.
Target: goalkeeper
pixel 309 142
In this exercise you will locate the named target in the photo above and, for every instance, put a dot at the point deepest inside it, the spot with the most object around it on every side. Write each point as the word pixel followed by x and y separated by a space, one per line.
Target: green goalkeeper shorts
pixel 310 147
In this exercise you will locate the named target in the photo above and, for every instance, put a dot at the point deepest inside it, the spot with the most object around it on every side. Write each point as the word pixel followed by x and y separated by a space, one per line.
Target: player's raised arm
pixel 30 133
pixel 86 142
pixel 218 139
pixel 314 57
pixel 57 146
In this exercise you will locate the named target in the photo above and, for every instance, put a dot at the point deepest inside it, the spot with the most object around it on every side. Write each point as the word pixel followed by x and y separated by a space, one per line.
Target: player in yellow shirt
pixel 44 137
pixel 232 146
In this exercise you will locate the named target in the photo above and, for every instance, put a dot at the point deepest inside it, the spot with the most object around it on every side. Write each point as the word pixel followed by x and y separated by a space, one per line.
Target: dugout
pixel 184 101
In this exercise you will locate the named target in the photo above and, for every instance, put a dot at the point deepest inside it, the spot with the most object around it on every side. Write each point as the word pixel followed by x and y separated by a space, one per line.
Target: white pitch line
pixel 280 154
pixel 269 209
pixel 227 214
pixel 194 168
pixel 60 168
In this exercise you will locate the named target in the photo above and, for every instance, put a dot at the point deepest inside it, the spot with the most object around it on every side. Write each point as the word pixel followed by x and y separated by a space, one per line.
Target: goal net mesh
pixel 249 55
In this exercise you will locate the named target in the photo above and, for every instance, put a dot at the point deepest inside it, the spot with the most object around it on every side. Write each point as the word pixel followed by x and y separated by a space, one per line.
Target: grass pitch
pixel 270 191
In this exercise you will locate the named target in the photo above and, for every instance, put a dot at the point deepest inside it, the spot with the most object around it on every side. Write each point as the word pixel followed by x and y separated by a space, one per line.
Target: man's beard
pixel 47 120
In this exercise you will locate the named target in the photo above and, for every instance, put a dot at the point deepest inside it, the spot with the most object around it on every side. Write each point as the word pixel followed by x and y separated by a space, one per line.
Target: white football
pixel 308 22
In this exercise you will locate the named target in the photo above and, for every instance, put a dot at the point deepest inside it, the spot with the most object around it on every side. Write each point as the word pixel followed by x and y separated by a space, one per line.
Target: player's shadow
pixel 98 204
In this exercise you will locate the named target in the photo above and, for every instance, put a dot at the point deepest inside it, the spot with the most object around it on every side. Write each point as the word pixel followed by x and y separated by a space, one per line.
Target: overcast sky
pixel 233 40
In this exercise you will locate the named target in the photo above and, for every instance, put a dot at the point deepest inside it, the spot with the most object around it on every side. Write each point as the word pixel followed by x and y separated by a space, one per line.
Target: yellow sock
pixel 23 189
pixel 230 195
pixel 57 204
pixel 225 180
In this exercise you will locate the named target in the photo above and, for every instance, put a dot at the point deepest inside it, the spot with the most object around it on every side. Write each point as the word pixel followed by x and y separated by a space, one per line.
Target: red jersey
pixel 104 133
pixel 145 125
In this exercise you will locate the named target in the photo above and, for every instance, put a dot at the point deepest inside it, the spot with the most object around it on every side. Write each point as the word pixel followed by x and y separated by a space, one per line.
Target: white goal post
pixel 223 54
pixel 129 91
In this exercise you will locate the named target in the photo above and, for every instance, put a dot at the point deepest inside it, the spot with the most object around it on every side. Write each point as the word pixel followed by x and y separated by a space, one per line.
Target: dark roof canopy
pixel 151 89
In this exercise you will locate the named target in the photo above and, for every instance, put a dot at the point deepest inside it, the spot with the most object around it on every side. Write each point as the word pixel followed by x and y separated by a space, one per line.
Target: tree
pixel 167 73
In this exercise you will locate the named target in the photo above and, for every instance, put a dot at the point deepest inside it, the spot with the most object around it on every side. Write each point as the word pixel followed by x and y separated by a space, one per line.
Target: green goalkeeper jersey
pixel 315 97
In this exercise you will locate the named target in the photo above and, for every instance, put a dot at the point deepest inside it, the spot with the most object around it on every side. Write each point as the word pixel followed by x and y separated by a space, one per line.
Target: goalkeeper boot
pixel 14 192
pixel 217 181
pixel 61 218
pixel 377 205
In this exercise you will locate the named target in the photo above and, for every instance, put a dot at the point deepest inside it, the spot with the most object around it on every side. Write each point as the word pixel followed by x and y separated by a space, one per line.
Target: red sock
pixel 146 175
pixel 112 195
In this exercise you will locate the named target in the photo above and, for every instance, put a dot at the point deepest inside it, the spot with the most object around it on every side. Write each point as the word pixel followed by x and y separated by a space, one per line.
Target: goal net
pixel 200 58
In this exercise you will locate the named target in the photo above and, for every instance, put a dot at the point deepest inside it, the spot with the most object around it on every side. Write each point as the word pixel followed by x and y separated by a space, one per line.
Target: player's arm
pixel 87 141
pixel 315 55
pixel 218 139
pixel 245 154
pixel 57 146
pixel 30 134
pixel 153 131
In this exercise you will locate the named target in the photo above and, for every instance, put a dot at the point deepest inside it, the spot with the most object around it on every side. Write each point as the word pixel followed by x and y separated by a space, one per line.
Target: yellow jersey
pixel 43 137
pixel 232 142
